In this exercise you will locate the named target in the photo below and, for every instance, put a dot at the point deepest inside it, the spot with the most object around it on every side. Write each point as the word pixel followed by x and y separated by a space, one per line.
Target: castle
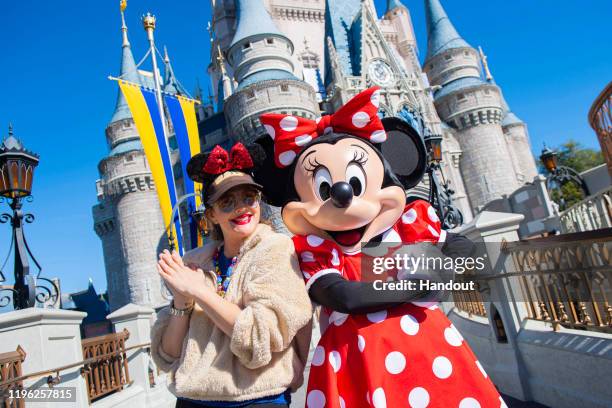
pixel 307 58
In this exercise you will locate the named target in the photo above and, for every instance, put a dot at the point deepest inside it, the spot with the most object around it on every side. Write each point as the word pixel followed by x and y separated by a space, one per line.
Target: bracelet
pixel 181 312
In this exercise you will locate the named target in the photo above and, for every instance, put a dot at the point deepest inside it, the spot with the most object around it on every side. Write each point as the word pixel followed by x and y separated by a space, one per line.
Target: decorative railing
pixel 470 302
pixel 10 369
pixel 564 279
pixel 600 118
pixel 592 213
pixel 106 367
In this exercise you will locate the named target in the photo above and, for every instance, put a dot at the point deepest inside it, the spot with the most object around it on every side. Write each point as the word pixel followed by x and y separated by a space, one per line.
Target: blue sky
pixel 552 58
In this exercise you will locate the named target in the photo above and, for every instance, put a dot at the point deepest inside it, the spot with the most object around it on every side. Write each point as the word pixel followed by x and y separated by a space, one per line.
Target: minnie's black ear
pixel 195 166
pixel 405 151
pixel 275 181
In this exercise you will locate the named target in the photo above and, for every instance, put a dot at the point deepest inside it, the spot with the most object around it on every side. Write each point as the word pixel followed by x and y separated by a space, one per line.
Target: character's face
pixel 341 194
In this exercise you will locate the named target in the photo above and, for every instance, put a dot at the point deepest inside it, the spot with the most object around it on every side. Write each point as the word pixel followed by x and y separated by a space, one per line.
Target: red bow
pixel 219 161
pixel 359 117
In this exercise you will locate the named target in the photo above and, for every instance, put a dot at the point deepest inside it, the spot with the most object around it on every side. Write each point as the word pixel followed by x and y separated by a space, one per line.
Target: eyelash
pixel 360 158
pixel 314 165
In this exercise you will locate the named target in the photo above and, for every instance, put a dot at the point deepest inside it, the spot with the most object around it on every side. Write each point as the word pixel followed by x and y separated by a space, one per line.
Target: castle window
pixel 467 54
pixel 487 92
pixel 448 56
pixel 250 94
pixel 129 158
pixel 461 97
pixel 246 45
pixel 284 88
pixel 269 40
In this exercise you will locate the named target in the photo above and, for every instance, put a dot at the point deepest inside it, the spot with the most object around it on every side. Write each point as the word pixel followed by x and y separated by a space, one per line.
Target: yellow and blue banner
pixel 182 114
pixel 143 105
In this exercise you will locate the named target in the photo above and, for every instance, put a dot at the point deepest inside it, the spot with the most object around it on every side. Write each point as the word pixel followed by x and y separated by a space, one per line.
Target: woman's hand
pixel 182 280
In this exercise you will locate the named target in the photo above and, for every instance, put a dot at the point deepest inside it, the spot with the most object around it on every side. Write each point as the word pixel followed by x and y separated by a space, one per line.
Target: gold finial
pixel 122 5
pixel 148 21
pixel 485 65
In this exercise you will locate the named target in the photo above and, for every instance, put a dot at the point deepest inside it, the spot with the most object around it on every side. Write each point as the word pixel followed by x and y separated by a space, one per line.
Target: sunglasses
pixel 229 203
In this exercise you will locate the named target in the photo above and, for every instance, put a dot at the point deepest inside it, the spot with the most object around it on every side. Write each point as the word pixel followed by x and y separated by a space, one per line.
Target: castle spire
pixel 129 71
pixel 441 34
pixel 485 65
pixel 393 4
pixel 171 84
pixel 253 20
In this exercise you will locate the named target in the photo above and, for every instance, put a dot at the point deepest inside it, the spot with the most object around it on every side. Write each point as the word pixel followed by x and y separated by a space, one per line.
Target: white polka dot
pixel 270 130
pixel 452 336
pixel 502 403
pixel 379 400
pixel 286 158
pixel 395 362
pixel 418 398
pixel 481 368
pixel 377 317
pixel 302 140
pixel 375 98
pixel 306 275
pixel 431 213
pixel 307 256
pixel 315 399
pixel 428 305
pixel 360 342
pixel 391 236
pixel 317 120
pixel 289 123
pixel 314 241
pixel 360 119
pixel 318 357
pixel 442 367
pixel 469 402
pixel 409 216
pixel 433 231
pixel 378 136
pixel 409 325
pixel 335 259
pixel 335 360
pixel 337 318
pixel 342 403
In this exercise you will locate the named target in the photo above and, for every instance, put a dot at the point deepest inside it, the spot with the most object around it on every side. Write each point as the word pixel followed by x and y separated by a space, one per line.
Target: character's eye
pixel 322 182
pixel 356 178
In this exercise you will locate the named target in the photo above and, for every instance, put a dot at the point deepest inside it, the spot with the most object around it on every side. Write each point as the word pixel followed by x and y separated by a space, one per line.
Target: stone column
pixel 137 320
pixel 491 229
pixel 51 338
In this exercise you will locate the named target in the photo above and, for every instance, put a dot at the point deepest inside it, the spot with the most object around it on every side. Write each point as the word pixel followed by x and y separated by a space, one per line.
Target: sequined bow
pixel 219 161
pixel 359 117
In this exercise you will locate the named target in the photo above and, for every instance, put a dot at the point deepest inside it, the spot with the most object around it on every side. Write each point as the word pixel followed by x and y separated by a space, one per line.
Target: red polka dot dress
pixel 407 356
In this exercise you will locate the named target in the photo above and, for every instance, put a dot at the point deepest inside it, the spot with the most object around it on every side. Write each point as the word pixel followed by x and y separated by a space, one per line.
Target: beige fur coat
pixel 267 351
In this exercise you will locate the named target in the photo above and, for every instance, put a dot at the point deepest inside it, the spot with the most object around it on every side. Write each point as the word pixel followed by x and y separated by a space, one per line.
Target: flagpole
pixel 149 25
pixel 148 22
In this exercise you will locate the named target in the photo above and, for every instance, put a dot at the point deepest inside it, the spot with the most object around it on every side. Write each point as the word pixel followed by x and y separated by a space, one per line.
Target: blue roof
pixel 339 17
pixel 441 34
pixel 458 84
pixel 129 72
pixel 266 75
pixel 253 19
pixel 509 117
pixel 393 4
pixel 129 145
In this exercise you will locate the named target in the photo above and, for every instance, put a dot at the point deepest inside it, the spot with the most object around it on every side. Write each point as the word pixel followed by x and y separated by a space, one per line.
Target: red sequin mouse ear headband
pixel 359 117
pixel 205 167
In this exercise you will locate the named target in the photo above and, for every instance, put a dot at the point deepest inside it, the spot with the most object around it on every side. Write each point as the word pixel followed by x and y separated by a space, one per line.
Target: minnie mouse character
pixel 341 182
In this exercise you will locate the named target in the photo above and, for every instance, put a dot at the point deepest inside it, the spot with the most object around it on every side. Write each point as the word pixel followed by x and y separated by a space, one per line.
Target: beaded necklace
pixel 223 280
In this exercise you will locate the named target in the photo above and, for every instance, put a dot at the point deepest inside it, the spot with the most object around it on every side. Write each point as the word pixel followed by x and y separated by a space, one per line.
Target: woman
pixel 238 329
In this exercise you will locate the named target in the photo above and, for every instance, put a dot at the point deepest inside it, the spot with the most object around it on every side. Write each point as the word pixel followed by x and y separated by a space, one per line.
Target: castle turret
pixel 399 16
pixel 261 60
pixel 470 105
pixel 127 217
pixel 517 136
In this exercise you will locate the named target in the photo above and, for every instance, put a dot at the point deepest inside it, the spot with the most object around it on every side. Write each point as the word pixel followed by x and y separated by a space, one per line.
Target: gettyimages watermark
pixel 437 275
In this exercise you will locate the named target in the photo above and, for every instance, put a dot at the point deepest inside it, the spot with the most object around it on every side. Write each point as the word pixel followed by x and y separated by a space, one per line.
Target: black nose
pixel 342 194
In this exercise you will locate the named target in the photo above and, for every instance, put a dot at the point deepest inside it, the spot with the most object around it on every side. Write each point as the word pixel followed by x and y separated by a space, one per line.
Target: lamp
pixel 16 168
pixel 433 143
pixel 549 159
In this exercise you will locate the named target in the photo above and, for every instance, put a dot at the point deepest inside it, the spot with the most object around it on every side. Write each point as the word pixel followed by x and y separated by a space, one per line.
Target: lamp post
pixel 560 174
pixel 440 194
pixel 16 176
